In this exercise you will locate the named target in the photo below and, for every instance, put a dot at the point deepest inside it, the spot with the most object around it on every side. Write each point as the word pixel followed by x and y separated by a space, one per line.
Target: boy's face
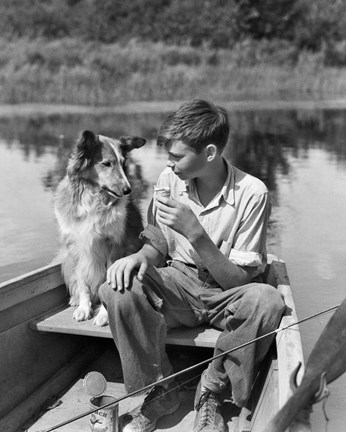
pixel 184 161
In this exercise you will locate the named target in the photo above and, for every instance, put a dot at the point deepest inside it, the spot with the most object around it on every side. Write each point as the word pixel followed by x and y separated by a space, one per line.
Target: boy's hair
pixel 197 124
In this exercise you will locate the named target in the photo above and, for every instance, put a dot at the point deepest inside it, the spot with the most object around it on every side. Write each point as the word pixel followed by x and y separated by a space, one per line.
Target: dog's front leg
pixel 84 309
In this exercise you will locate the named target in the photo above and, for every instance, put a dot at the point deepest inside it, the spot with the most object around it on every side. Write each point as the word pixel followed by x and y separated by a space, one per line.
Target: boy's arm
pixel 228 271
pixel 225 272
pixel 153 253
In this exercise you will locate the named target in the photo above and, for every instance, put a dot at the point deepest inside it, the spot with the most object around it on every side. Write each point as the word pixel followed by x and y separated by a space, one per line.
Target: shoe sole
pixel 173 409
pixel 169 412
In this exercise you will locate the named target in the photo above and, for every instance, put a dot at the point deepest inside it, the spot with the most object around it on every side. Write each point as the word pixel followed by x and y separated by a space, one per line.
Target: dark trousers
pixel 179 295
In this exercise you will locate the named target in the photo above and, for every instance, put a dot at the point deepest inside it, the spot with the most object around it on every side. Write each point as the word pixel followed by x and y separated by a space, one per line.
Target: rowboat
pixel 45 355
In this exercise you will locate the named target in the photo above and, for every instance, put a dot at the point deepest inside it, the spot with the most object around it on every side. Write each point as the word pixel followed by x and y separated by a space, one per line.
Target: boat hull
pixel 41 362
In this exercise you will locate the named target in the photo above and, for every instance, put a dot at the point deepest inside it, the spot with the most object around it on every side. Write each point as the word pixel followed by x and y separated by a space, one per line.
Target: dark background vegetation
pixel 100 52
pixel 306 24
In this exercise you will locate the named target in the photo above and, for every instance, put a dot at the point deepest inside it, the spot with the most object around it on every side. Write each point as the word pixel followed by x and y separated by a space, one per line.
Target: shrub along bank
pixel 109 52
pixel 72 71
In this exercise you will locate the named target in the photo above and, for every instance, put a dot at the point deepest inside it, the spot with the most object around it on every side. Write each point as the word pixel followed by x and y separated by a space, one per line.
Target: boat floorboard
pixel 75 401
pixel 61 321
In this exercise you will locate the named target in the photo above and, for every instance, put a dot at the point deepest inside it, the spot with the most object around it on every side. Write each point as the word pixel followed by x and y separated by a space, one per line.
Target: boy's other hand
pixel 121 272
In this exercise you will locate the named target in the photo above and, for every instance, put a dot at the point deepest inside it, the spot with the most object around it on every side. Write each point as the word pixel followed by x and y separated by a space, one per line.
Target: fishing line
pixel 190 368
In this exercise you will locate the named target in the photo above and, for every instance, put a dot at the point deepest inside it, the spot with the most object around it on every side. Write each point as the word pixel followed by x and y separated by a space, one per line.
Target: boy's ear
pixel 210 152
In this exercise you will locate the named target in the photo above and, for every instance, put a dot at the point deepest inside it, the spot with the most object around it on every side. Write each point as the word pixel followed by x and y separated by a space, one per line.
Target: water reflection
pixel 265 144
pixel 258 144
pixel 261 143
pixel 300 156
pixel 38 133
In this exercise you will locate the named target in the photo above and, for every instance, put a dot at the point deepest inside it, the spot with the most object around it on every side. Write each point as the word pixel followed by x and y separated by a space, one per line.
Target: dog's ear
pixel 128 143
pixel 83 152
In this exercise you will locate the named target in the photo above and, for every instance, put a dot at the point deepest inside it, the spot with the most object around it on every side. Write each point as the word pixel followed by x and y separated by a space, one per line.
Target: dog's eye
pixel 106 163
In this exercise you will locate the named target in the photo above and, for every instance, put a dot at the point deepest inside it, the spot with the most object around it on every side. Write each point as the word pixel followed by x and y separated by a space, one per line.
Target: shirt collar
pixel 227 191
pixel 183 186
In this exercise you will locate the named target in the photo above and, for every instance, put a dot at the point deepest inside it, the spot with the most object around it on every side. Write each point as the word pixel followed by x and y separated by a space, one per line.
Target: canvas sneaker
pixel 159 402
pixel 208 415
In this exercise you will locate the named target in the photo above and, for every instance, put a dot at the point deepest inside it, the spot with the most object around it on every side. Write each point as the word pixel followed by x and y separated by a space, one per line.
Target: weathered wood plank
pixel 76 401
pixel 29 285
pixel 62 379
pixel 267 403
pixel 199 336
pixel 61 321
pixel 28 310
pixel 288 342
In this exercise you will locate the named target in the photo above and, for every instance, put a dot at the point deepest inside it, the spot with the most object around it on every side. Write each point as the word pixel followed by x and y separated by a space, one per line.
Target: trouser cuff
pixel 211 382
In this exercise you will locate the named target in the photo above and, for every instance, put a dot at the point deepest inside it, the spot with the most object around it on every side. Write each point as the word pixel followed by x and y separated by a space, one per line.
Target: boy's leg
pixel 138 319
pixel 252 310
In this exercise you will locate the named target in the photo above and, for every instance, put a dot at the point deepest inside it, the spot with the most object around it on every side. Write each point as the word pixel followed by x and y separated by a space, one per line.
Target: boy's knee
pixel 268 297
pixel 121 301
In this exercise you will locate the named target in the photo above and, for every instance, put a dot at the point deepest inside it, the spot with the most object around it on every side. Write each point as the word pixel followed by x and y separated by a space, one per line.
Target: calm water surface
pixel 299 154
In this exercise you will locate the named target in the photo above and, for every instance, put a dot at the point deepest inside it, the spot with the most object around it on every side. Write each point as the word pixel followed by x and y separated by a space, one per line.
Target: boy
pixel 201 262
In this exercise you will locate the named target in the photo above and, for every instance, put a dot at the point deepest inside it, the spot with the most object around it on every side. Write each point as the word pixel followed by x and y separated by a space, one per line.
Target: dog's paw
pixel 73 302
pixel 82 314
pixel 101 318
pixel 100 321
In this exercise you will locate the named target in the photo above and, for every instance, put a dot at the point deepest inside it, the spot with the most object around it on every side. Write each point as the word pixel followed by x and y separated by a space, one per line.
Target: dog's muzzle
pixel 125 191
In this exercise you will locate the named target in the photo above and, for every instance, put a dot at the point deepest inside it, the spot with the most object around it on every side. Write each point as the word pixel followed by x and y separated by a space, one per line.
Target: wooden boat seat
pixel 61 321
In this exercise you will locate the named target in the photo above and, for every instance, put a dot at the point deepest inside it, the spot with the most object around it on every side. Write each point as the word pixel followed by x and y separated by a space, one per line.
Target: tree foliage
pixel 217 23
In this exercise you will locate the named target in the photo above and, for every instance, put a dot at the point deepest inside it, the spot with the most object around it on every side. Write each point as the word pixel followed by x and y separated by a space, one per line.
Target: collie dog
pixel 98 221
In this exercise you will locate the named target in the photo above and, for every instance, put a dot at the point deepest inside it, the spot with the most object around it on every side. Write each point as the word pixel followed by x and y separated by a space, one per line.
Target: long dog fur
pixel 98 221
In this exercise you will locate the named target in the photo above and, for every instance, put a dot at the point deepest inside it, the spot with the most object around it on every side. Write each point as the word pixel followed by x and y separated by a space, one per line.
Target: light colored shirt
pixel 235 219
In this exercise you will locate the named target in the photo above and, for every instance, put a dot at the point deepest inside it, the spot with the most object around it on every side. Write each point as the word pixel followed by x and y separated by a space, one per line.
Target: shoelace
pixel 207 406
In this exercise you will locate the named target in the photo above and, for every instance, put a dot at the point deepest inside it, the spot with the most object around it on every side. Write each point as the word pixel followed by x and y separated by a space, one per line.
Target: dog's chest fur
pixel 88 219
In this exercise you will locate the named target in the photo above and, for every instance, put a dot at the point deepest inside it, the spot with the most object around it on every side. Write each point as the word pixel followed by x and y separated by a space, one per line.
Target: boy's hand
pixel 178 216
pixel 119 274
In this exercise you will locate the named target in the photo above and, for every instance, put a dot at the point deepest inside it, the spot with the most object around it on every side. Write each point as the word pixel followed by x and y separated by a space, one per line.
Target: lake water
pixel 299 153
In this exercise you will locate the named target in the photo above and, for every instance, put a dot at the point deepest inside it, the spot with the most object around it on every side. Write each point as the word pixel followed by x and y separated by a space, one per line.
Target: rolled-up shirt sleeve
pixel 153 235
pixel 248 247
pixel 249 259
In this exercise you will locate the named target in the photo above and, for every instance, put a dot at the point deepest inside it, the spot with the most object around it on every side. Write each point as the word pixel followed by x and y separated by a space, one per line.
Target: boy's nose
pixel 170 164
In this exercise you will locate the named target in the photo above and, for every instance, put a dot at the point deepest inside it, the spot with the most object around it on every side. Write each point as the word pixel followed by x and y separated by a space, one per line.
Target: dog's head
pixel 101 162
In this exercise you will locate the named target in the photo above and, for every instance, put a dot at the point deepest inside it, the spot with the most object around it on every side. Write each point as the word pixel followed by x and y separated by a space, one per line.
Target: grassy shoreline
pixel 73 72
pixel 153 107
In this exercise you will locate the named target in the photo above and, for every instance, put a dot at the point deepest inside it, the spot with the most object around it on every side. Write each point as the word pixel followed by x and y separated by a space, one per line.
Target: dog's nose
pixel 127 190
